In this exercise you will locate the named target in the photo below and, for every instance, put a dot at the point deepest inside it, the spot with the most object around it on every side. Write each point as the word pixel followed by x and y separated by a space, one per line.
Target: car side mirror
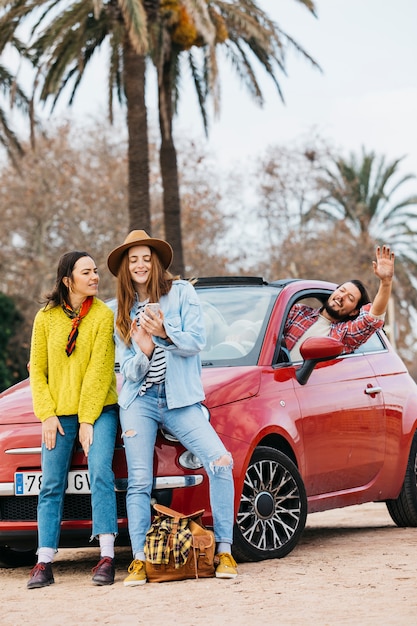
pixel 314 350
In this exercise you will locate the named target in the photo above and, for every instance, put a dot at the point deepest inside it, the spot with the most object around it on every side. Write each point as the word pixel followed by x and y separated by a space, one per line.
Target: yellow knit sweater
pixel 83 383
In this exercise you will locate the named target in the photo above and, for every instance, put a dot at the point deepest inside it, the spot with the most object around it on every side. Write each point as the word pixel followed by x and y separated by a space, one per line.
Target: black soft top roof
pixel 206 281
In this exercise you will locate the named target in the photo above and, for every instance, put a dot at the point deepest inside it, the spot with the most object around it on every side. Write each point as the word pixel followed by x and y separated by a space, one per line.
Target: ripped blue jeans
pixel 140 422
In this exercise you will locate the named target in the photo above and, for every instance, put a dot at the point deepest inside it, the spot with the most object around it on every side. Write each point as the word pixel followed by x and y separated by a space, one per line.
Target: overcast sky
pixel 366 95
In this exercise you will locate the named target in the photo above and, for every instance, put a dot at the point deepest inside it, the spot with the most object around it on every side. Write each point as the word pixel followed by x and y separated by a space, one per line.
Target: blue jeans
pixel 140 422
pixel 55 466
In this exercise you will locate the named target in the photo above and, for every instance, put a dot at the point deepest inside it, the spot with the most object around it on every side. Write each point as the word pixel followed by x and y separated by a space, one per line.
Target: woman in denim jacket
pixel 158 349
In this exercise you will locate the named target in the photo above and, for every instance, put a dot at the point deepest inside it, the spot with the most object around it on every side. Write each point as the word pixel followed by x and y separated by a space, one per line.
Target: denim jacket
pixel 184 325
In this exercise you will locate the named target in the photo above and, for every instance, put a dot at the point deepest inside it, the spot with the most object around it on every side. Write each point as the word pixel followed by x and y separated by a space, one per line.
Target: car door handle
pixel 373 390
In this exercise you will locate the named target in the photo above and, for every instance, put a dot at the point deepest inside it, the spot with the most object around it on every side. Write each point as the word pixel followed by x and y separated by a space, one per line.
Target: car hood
pixel 224 385
pixel 16 404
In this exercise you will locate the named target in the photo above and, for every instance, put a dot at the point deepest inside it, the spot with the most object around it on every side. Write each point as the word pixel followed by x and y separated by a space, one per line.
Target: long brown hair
pixel 158 284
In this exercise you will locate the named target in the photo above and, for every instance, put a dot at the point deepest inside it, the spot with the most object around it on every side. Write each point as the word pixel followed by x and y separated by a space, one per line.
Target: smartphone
pixel 153 307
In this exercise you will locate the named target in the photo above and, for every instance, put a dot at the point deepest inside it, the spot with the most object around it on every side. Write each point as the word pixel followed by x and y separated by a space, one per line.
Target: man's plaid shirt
pixel 351 333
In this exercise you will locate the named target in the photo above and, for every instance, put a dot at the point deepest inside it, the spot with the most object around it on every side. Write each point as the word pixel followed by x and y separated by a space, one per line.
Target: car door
pixel 343 425
pixel 342 414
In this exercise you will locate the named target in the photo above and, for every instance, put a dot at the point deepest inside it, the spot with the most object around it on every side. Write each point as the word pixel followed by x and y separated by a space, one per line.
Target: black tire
pixel 403 510
pixel 273 508
pixel 10 557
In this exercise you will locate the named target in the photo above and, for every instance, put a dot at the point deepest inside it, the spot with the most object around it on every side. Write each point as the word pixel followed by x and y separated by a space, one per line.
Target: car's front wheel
pixel 273 508
pixel 403 510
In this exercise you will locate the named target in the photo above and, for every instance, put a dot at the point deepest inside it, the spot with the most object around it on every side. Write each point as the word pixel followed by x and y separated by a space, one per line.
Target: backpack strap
pixel 164 510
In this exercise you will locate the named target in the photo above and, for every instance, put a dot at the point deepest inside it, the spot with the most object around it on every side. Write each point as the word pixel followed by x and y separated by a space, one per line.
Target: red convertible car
pixel 329 431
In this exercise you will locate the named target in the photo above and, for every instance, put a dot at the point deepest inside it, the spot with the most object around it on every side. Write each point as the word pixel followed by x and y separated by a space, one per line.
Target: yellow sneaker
pixel 137 574
pixel 227 567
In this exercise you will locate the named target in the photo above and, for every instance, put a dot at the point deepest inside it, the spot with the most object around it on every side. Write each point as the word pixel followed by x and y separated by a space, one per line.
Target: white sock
pixel 107 545
pixel 224 547
pixel 46 555
pixel 139 556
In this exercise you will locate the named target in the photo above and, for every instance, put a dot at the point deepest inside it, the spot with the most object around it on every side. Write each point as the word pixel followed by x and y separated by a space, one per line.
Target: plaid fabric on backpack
pixel 178 546
pixel 167 537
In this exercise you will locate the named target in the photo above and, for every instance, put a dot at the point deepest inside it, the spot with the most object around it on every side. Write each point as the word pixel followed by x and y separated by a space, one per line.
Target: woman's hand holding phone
pixel 152 320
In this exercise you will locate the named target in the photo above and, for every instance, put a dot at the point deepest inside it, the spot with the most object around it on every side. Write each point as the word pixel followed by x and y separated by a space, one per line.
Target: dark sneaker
pixel 104 572
pixel 41 576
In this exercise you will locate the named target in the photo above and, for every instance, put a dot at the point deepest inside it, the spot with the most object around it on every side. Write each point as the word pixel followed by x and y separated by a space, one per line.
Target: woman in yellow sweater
pixel 74 394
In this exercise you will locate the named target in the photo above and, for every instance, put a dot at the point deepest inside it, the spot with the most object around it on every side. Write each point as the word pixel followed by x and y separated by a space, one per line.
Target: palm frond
pixel 135 19
pixel 201 89
pixel 364 193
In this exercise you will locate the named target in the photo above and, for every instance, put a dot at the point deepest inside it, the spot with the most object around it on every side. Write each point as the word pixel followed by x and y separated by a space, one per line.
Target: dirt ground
pixel 353 566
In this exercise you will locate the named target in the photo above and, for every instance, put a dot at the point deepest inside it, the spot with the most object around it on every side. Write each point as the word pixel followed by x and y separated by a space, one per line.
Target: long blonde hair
pixel 158 284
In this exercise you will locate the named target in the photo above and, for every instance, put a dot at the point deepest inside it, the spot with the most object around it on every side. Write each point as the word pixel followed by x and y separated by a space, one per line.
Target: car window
pixel 235 319
pixel 373 344
pixel 313 301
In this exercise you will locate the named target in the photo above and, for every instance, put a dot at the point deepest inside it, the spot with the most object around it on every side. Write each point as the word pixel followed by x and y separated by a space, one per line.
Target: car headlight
pixel 188 460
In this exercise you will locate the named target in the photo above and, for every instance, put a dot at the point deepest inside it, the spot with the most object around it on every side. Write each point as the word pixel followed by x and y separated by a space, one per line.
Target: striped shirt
pixel 156 373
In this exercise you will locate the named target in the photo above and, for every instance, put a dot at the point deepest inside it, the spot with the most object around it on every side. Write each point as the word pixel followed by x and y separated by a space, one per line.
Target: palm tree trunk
pixel 169 170
pixel 138 150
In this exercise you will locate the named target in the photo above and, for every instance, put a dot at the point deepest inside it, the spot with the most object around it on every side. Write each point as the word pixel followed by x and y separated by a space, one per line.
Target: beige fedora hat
pixel 140 238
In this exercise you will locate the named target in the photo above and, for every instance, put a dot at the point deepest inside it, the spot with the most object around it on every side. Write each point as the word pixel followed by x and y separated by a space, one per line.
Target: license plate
pixel 29 483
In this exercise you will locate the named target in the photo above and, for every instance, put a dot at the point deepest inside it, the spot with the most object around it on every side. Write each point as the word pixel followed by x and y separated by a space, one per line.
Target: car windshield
pixel 235 318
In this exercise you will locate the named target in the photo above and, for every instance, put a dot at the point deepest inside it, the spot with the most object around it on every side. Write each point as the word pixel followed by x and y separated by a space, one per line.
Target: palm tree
pixel 8 138
pixel 65 35
pixel 197 30
pixel 11 89
pixel 364 193
pixel 363 196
